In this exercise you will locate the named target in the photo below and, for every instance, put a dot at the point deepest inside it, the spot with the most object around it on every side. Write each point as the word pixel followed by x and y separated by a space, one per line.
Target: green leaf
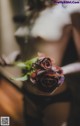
pixel 31 61
pixel 27 64
pixel 21 64
pixel 34 60
pixel 24 78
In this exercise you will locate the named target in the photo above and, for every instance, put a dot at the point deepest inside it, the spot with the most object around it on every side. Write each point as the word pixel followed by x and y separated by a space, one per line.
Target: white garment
pixel 49 25
pixel 50 22
pixel 71 68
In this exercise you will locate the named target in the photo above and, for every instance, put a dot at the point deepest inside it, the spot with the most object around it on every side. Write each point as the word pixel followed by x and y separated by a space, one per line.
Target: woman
pixel 51 32
pixel 52 27
pixel 52 40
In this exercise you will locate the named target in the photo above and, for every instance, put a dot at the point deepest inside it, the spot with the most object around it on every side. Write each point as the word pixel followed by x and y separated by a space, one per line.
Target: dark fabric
pixel 70 55
pixel 74 84
pixel 31 121
pixel 42 102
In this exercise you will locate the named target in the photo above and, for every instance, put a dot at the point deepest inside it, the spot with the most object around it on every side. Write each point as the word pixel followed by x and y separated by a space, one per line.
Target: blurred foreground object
pixel 10 59
pixel 71 68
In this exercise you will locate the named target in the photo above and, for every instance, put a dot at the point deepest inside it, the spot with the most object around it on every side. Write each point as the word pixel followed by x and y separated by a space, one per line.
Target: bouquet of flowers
pixel 42 72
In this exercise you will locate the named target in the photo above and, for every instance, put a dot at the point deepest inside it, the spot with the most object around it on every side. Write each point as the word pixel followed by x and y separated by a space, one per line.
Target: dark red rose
pixel 58 70
pixel 47 84
pixel 46 80
pixel 44 63
pixel 46 77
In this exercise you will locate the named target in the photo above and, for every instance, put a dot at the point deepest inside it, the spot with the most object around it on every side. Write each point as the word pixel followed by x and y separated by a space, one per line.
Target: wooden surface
pixel 12 72
pixel 11 103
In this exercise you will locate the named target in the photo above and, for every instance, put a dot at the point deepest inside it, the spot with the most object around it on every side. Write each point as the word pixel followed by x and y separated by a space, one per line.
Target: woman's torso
pixel 57 112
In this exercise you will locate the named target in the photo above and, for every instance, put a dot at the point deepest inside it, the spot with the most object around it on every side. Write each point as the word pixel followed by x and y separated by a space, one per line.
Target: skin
pixel 54 114
pixel 50 48
pixel 57 113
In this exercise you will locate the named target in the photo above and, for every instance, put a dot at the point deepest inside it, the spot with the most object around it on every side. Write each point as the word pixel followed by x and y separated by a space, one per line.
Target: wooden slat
pixel 11 103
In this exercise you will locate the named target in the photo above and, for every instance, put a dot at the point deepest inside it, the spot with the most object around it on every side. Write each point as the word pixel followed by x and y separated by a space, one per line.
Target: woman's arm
pixel 71 68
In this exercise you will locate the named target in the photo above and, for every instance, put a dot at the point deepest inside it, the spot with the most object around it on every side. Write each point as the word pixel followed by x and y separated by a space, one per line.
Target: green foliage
pixel 27 65
pixel 25 77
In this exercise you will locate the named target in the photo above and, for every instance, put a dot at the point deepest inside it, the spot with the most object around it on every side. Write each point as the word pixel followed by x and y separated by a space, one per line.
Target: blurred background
pixel 14 46
pixel 11 98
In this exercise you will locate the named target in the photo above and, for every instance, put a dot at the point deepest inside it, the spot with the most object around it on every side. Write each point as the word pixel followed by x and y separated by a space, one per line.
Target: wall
pixel 8 40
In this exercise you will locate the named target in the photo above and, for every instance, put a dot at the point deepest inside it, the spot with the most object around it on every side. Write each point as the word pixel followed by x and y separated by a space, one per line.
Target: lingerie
pixel 42 102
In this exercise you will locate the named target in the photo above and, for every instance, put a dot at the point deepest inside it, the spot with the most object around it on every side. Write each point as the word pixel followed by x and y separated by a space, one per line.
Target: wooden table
pixel 11 72
pixel 11 96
